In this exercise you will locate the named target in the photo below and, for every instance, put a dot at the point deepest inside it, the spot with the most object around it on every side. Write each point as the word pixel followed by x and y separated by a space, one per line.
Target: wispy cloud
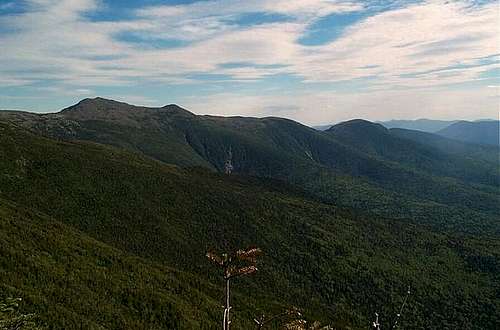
pixel 315 108
pixel 407 46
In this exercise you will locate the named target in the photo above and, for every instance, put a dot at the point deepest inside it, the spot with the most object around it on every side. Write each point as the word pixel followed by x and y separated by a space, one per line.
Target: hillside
pixel 71 280
pixel 421 151
pixel 482 132
pixel 117 213
pixel 405 179
pixel 474 152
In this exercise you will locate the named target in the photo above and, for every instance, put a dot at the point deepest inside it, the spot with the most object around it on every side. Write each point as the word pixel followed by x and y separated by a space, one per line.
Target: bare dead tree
pixel 242 262
pixel 398 315
pixel 263 321
pixel 376 324
pixel 301 324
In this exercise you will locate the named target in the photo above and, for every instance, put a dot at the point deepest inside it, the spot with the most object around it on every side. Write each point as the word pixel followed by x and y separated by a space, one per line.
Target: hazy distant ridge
pixel 483 132
pixel 425 125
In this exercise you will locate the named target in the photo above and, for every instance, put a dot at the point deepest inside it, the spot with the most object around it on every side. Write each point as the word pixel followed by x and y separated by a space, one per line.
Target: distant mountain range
pixel 483 131
pixel 345 216
pixel 425 125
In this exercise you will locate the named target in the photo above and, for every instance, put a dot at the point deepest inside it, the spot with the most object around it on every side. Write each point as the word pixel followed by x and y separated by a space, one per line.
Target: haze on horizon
pixel 315 61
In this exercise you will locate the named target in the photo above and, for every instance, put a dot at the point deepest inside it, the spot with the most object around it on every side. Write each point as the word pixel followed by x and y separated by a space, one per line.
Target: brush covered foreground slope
pixel 401 178
pixel 96 236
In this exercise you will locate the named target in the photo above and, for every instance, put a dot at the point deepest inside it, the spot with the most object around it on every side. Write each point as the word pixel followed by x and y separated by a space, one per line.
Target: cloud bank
pixel 405 60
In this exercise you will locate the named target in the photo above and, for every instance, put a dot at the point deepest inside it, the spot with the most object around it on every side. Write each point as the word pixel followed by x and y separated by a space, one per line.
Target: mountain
pixel 419 150
pixel 470 151
pixel 393 177
pixel 96 236
pixel 424 125
pixel 483 132
pixel 322 127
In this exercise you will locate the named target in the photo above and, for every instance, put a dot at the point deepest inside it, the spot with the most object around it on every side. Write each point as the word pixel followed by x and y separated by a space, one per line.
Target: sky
pixel 315 61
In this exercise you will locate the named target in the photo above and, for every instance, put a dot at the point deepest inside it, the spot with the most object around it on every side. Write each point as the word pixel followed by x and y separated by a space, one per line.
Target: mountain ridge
pixel 421 124
pixel 348 168
pixel 482 132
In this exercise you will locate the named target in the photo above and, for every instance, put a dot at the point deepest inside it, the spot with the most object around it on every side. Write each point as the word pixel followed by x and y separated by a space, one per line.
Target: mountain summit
pixel 119 112
pixel 358 127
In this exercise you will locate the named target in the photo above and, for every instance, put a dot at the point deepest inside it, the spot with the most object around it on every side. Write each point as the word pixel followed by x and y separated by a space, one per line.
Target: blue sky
pixel 316 61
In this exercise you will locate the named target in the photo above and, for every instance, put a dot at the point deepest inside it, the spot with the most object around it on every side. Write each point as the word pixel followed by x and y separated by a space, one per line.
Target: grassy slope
pixel 337 265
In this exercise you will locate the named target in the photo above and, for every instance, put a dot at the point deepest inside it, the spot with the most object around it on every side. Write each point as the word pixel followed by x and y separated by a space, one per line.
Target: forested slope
pixel 351 164
pixel 124 238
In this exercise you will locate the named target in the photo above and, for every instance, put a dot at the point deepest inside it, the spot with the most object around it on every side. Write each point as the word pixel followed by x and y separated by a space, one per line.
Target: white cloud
pixel 57 41
pixel 433 43
pixel 316 108
pixel 423 37
pixel 134 99
pixel 224 8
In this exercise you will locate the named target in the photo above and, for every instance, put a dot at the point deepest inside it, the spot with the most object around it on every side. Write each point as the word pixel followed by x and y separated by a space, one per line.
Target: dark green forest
pixel 105 225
